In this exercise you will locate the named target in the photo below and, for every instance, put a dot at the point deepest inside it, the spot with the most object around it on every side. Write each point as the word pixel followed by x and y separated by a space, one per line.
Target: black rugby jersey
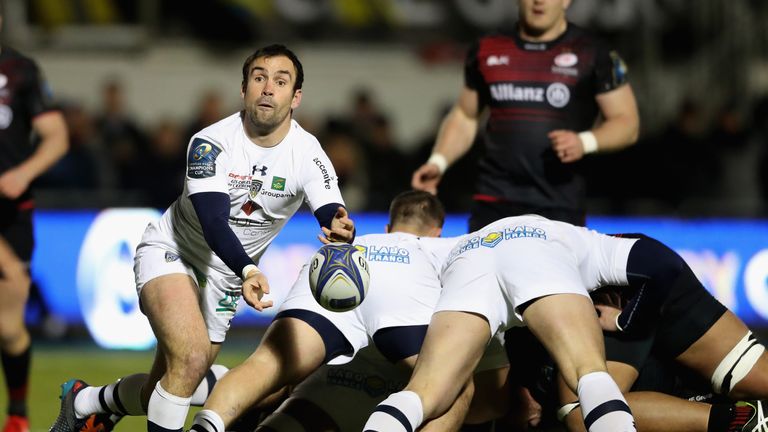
pixel 532 89
pixel 23 96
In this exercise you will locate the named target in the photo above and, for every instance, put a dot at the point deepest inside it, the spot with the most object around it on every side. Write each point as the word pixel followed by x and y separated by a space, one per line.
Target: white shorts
pixel 220 292
pixel 348 323
pixel 515 260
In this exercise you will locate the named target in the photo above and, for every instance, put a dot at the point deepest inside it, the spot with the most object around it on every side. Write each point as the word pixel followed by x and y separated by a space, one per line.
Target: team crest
pixel 278 183
pixel 492 239
pixel 255 188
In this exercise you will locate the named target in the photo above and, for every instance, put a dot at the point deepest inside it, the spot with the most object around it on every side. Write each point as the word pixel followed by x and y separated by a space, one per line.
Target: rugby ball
pixel 338 277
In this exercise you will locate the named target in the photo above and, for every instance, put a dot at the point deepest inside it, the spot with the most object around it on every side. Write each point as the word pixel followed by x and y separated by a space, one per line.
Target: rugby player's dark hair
pixel 416 208
pixel 273 51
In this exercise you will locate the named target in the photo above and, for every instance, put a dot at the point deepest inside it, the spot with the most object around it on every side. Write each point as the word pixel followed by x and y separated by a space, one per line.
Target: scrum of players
pixel 611 320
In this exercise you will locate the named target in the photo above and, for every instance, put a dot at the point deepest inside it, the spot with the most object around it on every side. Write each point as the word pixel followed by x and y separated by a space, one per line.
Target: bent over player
pixel 404 288
pixel 528 271
pixel 246 176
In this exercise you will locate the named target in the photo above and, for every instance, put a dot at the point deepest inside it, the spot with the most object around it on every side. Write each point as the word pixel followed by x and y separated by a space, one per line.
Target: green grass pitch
pixel 54 364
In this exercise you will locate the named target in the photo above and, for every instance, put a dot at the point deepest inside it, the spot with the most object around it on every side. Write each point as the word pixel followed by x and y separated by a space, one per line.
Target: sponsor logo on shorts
pixel 278 183
pixel 521 231
pixel 201 161
pixel 229 303
pixel 391 254
pixel 492 239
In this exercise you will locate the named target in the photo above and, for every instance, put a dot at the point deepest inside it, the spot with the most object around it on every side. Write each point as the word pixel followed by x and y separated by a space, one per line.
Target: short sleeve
pixel 319 180
pixel 39 96
pixel 473 79
pixel 610 70
pixel 207 165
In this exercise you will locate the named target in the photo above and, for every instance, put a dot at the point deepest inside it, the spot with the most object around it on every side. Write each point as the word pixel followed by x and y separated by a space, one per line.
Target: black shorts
pixel 16 227
pixel 485 212
pixel 689 312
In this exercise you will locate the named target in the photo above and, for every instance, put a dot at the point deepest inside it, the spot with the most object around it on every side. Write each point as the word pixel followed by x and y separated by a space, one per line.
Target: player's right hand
pixel 254 287
pixel 426 178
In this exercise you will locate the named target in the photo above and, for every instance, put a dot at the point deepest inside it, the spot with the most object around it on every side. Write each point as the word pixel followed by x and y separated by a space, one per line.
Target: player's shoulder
pixel 583 37
pixel 22 60
pixel 222 132
pixel 301 140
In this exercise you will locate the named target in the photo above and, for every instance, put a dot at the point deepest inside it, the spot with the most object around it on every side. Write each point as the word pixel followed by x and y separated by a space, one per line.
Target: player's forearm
pixel 456 135
pixel 617 132
pixel 52 148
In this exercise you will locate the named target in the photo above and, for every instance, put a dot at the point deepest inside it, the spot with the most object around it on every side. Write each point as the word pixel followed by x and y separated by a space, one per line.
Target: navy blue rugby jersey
pixel 531 89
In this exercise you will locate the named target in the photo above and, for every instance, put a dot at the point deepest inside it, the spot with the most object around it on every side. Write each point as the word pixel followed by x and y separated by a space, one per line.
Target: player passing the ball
pixel 246 176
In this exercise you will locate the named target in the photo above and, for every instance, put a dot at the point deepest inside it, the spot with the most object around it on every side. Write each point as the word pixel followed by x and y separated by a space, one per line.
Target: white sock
pixel 400 412
pixel 205 388
pixel 166 412
pixel 602 405
pixel 207 421
pixel 104 399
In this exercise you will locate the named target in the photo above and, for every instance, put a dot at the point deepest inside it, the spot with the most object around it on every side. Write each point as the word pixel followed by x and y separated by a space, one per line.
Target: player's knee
pixel 737 364
pixel 191 364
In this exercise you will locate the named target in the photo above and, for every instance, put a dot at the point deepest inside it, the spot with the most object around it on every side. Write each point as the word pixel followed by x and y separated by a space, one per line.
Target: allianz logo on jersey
pixel 556 94
pixel 391 254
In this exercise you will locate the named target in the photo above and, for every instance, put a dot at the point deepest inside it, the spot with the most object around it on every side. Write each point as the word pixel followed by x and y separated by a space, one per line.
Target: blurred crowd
pixel 700 164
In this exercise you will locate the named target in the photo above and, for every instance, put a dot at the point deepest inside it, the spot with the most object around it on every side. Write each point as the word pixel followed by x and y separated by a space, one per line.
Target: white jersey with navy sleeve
pixel 266 186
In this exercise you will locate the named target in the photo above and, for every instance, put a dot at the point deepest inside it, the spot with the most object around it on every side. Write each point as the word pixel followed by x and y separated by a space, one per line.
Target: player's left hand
pixel 13 183
pixel 607 317
pixel 342 228
pixel 567 145
pixel 254 287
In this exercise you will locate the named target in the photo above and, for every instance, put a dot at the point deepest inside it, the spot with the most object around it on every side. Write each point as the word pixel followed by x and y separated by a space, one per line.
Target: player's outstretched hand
pixel 426 178
pixel 566 145
pixel 254 287
pixel 607 317
pixel 342 228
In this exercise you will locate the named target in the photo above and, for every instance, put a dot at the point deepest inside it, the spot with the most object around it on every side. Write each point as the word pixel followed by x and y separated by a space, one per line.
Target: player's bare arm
pixel 455 138
pixel 53 145
pixel 619 128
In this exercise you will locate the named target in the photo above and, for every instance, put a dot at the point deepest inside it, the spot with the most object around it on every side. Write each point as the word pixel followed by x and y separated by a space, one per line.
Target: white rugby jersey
pixel 405 283
pixel 266 186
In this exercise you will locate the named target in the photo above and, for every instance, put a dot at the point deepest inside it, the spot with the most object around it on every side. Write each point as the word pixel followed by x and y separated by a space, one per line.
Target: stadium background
pixel 137 78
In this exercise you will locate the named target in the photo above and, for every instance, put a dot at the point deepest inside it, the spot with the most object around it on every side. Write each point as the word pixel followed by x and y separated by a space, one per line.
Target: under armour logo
pixel 262 170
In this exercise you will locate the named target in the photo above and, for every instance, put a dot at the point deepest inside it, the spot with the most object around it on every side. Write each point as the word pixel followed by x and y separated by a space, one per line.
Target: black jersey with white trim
pixel 530 90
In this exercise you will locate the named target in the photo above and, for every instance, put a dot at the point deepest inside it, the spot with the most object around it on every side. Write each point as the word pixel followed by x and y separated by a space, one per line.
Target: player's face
pixel 269 96
pixel 540 16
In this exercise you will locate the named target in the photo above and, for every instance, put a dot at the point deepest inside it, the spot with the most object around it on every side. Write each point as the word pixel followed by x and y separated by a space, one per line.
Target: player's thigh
pixel 453 347
pixel 567 326
pixel 290 350
pixel 171 304
pixel 706 354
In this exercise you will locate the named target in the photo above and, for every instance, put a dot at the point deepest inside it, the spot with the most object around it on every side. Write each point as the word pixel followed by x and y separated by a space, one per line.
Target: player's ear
pixel 296 99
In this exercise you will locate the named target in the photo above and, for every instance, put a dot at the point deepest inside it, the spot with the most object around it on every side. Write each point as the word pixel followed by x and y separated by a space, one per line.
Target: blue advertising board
pixel 83 264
